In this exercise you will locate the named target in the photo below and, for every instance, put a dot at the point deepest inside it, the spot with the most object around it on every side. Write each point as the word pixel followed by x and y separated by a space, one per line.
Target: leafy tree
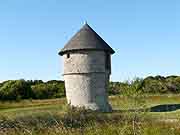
pixel 15 90
pixel 34 82
pixel 51 89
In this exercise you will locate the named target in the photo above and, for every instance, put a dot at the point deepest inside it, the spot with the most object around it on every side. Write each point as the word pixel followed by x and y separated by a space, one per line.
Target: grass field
pixel 156 115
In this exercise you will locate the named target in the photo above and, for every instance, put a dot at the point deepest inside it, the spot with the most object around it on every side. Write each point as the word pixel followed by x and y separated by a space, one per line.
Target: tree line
pixel 37 89
pixel 149 85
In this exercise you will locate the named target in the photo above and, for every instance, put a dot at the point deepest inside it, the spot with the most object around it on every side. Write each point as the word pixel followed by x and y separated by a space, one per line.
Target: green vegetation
pixel 21 89
pixel 149 85
pixel 54 117
pixel 149 106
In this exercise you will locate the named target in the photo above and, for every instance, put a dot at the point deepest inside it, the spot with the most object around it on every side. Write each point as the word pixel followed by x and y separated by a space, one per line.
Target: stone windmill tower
pixel 87 67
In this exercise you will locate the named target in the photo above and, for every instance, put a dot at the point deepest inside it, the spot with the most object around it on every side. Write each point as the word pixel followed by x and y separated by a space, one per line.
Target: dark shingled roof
pixel 86 39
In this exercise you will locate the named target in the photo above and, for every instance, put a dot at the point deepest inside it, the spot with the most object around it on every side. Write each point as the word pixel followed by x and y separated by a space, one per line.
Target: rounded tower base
pixel 88 90
pixel 95 107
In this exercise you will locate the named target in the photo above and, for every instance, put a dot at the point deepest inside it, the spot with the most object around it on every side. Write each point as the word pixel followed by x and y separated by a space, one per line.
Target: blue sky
pixel 144 33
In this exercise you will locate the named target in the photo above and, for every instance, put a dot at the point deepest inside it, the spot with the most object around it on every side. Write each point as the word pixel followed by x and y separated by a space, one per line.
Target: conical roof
pixel 86 39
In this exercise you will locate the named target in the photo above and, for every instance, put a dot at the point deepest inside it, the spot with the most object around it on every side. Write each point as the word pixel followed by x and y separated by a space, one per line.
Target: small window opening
pixel 68 55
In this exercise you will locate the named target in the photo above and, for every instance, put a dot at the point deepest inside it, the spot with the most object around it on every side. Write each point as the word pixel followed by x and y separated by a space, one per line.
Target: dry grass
pixel 52 117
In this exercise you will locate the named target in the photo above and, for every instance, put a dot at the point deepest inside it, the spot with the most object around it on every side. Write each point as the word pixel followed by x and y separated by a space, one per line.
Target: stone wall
pixel 84 62
pixel 86 80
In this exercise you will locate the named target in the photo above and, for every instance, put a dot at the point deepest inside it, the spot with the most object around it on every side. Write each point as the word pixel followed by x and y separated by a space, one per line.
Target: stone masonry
pixel 87 67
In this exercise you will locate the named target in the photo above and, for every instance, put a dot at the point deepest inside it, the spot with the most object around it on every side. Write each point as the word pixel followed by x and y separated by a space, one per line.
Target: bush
pixel 161 85
pixel 21 89
pixel 52 89
pixel 116 88
pixel 151 85
pixel 37 89
pixel 15 90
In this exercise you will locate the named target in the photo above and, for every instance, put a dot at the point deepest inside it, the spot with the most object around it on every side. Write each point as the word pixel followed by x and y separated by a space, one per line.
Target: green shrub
pixel 48 90
pixel 15 90
pixel 37 89
pixel 149 85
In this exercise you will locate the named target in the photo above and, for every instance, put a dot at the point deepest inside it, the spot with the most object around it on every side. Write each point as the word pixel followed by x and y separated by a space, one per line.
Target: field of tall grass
pixel 144 115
